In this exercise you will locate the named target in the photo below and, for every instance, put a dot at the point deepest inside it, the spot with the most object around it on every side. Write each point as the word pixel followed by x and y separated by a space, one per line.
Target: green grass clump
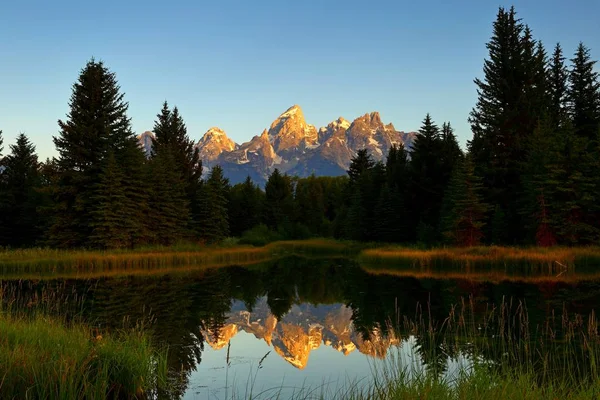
pixel 479 384
pixel 44 358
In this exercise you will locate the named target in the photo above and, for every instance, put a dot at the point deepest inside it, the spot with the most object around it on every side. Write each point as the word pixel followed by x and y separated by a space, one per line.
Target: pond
pixel 297 325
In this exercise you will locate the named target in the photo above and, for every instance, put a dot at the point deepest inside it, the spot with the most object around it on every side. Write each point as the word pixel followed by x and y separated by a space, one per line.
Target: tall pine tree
pixel 169 215
pixel 573 180
pixel 170 135
pixel 246 201
pixel 365 181
pixel 558 87
pixel 97 124
pixel 428 180
pixel 397 169
pixel 309 200
pixel 539 194
pixel 584 95
pixel 464 209
pixel 279 201
pixel 511 99
pixel 109 215
pixel 19 218
pixel 214 194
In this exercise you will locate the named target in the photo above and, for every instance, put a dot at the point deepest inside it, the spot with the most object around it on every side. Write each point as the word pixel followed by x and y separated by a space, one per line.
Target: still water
pixel 299 326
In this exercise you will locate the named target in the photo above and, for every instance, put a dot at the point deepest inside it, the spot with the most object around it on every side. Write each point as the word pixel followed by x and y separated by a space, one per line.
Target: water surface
pixel 300 324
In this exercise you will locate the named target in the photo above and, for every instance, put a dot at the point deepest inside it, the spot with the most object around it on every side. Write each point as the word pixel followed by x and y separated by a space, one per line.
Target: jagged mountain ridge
pixel 296 147
pixel 303 329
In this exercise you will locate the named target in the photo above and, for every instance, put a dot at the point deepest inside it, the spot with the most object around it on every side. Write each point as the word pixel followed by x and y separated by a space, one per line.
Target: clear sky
pixel 239 64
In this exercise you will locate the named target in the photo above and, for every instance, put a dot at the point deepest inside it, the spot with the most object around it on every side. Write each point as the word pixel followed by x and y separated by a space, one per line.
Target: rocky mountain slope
pixel 296 147
pixel 303 329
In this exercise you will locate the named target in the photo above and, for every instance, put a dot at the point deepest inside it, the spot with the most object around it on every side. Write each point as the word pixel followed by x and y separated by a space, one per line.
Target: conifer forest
pixel 530 174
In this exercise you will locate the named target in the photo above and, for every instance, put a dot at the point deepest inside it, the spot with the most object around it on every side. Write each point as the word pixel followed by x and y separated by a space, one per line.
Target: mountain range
pixel 303 329
pixel 296 147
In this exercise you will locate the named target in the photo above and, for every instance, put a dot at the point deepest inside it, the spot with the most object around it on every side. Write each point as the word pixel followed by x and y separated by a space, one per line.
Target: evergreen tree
pixel 279 200
pixel 354 221
pixel 464 214
pixel 309 201
pixel 541 99
pixel 511 99
pixel 97 124
pixel 359 164
pixel 539 189
pixel 398 178
pixel 499 226
pixel 49 176
pixel 558 86
pixel 19 223
pixel 388 227
pixel 3 197
pixel 169 211
pixel 594 168
pixel 137 189
pixel 427 178
pixel 451 151
pixel 334 188
pixel 584 95
pixel 573 180
pixel 246 202
pixel 170 135
pixel 396 167
pixel 214 193
pixel 109 216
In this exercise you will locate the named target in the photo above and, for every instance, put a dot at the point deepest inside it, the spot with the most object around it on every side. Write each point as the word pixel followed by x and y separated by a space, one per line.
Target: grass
pixel 507 358
pixel 490 255
pixel 42 262
pixel 526 273
pixel 45 358
pixel 479 384
pixel 484 262
pixel 68 263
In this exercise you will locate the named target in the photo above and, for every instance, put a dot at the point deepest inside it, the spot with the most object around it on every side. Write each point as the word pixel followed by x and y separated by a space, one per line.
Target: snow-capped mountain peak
pixel 214 142
pixel 296 147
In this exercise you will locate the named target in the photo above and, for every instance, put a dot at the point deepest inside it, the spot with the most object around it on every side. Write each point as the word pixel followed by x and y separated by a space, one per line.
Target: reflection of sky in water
pixel 327 371
pixel 326 366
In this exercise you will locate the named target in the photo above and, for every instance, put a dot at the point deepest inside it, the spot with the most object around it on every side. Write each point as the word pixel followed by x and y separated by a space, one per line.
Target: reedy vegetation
pixel 48 358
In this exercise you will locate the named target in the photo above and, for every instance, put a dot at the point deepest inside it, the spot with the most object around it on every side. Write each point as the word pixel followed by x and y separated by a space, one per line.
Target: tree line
pixel 529 175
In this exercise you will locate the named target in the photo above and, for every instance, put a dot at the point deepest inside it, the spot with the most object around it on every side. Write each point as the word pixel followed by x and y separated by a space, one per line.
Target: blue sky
pixel 239 64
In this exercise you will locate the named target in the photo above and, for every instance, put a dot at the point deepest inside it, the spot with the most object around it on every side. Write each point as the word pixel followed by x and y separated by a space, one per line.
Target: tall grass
pixel 62 264
pixel 490 255
pixel 44 358
pixel 34 263
pixel 46 352
pixel 525 273
pixel 507 357
pixel 39 263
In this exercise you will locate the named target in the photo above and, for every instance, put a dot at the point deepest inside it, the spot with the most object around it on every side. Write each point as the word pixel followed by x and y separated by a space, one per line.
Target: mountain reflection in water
pixel 295 321
pixel 303 329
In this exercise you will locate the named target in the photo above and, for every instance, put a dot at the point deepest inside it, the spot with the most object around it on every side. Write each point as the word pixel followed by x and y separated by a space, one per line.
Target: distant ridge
pixel 296 147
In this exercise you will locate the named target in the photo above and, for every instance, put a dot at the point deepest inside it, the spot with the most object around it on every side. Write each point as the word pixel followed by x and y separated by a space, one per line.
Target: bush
pixel 260 235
